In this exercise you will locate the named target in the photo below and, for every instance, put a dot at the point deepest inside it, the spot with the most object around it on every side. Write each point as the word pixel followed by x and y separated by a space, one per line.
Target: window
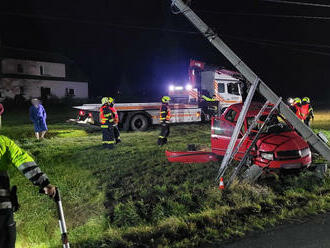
pixel 19 68
pixel 221 87
pixel 221 127
pixel 45 92
pixel 230 116
pixel 233 88
pixel 41 70
pixel 69 92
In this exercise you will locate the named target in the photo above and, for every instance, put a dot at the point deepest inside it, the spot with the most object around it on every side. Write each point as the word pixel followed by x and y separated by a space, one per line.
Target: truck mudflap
pixel 191 157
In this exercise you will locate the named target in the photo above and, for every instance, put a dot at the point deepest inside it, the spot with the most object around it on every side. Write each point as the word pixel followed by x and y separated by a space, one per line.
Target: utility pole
pixel 313 139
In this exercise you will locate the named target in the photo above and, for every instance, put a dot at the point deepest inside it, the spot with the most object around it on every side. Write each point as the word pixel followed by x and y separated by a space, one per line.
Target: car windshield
pixel 275 125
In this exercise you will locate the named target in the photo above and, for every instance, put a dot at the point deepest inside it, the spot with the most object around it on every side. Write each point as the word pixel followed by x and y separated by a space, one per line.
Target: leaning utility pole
pixel 318 144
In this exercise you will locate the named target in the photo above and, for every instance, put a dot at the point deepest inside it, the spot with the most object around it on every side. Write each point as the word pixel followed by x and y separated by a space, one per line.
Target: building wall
pixel 34 68
pixel 10 87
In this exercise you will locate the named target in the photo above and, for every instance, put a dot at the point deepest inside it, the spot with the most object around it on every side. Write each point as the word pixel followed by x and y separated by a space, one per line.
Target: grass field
pixel 132 197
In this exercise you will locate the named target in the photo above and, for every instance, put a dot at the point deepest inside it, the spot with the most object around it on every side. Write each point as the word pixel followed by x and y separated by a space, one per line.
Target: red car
pixel 278 147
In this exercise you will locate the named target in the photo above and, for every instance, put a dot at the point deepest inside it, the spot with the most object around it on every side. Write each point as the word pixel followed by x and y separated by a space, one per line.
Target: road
pixel 311 232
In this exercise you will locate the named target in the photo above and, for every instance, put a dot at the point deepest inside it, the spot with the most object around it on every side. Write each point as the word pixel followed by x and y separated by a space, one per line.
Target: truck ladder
pixel 262 88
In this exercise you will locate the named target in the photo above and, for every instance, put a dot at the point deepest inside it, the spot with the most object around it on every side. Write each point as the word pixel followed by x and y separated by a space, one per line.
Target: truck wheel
pixel 139 123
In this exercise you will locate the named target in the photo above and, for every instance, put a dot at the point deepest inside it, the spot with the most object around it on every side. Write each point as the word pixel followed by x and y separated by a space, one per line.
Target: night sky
pixel 135 46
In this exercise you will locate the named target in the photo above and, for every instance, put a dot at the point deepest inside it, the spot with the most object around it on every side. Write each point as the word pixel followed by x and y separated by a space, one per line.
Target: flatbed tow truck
pixel 187 104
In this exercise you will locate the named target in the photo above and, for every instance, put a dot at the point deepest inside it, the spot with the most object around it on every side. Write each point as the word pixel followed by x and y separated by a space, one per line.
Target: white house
pixel 30 74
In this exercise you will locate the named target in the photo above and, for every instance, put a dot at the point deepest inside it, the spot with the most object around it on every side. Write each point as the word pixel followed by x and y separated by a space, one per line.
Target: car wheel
pixel 139 123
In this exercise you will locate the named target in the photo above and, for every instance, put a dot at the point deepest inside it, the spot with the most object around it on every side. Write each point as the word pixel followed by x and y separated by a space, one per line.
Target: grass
pixel 132 197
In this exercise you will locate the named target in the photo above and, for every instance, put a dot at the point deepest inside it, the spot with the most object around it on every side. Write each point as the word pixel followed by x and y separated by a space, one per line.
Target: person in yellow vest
pixel 107 123
pixel 307 110
pixel 164 117
pixel 13 156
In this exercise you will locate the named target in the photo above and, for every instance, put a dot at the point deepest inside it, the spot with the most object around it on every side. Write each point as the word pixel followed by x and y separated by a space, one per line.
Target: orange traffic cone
pixel 221 184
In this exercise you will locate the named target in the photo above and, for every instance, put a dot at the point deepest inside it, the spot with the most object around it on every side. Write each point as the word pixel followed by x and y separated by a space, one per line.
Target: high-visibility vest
pixel 165 113
pixel 106 115
pixel 304 109
pixel 115 114
pixel 298 111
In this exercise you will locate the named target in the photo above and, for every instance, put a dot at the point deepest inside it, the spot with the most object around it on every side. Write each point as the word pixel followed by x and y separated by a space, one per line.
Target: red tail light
pixel 81 113
pixel 90 115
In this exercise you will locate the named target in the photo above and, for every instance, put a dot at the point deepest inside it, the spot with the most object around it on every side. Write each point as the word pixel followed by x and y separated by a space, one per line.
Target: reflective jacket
pixel 106 116
pixel 297 110
pixel 115 114
pixel 306 110
pixel 208 99
pixel 12 155
pixel 165 113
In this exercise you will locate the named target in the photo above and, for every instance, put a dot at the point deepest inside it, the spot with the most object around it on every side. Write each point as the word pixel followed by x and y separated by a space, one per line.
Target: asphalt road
pixel 311 232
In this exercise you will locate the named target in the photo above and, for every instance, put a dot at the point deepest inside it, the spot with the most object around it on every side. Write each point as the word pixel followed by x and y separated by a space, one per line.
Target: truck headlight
pixel 267 155
pixel 305 152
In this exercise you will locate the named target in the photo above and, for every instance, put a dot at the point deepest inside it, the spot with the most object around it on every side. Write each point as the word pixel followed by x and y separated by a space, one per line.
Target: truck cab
pixel 224 85
pixel 279 147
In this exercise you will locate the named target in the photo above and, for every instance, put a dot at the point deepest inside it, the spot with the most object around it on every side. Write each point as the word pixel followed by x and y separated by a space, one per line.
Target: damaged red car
pixel 279 146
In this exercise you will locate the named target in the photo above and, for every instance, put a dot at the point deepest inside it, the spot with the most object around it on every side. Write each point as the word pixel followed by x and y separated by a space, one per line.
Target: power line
pixel 251 40
pixel 91 22
pixel 266 15
pixel 287 43
pixel 299 3
pixel 277 45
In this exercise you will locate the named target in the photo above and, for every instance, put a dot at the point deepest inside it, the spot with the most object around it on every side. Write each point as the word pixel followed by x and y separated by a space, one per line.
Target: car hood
pixel 285 141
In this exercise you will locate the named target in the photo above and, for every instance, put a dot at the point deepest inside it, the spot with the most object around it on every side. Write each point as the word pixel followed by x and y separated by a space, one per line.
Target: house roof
pixel 35 55
pixel 73 72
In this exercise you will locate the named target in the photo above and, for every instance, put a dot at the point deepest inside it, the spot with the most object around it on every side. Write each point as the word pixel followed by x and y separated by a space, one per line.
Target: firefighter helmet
pixel 111 100
pixel 166 99
pixel 104 100
pixel 306 99
pixel 296 100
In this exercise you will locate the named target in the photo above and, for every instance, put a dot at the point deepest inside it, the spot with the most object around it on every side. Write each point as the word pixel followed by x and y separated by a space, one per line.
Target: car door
pixel 221 132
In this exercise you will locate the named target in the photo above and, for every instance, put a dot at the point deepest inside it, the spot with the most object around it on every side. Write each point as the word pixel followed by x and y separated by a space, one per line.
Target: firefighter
pixel 107 122
pixel 165 116
pixel 12 155
pixel 296 107
pixel 307 110
pixel 208 99
pixel 116 119
pixel 212 105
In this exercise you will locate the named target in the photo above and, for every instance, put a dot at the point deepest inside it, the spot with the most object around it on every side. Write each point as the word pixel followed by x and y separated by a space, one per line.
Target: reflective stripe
pixel 111 120
pixel 108 142
pixel 40 179
pixel 26 165
pixel 163 112
pixel 161 137
pixel 4 192
pixel 104 126
pixel 5 205
pixel 32 173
